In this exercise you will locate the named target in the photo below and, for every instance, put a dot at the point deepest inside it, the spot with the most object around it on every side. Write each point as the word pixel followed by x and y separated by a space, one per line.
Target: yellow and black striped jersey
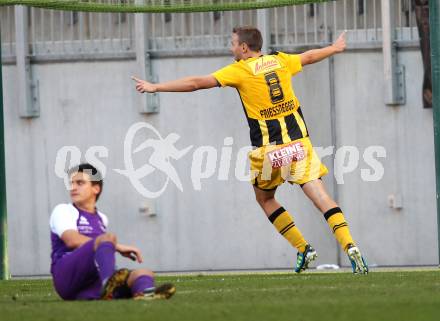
pixel 269 102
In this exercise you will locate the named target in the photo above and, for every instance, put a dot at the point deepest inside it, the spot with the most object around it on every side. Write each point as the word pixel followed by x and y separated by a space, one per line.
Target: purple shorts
pixel 75 276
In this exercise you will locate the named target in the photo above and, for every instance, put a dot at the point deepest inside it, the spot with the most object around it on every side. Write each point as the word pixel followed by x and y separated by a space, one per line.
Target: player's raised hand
pixel 340 44
pixel 143 86
pixel 131 252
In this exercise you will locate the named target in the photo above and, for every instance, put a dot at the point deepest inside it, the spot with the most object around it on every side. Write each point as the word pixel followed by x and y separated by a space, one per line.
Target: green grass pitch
pixel 388 296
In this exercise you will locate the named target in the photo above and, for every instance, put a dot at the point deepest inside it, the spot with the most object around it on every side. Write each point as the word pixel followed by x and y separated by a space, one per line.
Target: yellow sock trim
pixel 339 227
pixel 283 222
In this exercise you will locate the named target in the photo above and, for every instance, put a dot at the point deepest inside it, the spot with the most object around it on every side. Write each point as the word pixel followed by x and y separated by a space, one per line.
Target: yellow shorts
pixel 295 162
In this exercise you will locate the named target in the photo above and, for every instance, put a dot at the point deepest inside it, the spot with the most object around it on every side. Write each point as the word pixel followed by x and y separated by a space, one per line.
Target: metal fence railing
pixel 70 35
pixel 59 33
pixel 195 31
pixel 7 26
pixel 77 35
pixel 318 24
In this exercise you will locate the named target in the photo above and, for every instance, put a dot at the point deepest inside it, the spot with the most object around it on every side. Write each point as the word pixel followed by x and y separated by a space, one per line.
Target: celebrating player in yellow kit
pixel 277 129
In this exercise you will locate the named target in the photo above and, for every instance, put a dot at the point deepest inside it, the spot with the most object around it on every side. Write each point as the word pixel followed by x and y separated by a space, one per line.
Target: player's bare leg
pixel 316 192
pixel 283 222
pixel 267 200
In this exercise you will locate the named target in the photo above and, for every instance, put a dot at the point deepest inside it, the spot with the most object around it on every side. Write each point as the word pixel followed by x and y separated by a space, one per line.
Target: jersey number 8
pixel 275 90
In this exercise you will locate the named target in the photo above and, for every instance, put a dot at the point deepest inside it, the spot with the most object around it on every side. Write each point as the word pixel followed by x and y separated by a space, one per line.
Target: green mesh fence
pixel 156 5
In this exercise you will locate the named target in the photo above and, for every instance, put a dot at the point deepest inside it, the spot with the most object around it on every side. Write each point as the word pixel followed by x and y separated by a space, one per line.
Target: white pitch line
pixel 228 290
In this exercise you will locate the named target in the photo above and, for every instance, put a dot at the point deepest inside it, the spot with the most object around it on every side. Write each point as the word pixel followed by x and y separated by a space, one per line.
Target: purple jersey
pixel 68 217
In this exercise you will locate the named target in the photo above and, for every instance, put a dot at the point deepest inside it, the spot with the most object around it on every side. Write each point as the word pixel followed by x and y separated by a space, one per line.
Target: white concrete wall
pixel 389 236
pixel 221 226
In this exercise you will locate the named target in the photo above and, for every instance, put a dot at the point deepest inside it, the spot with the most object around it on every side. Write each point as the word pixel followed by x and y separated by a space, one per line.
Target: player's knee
pixel 138 273
pixel 107 237
pixel 264 200
pixel 323 200
pixel 110 237
pixel 145 272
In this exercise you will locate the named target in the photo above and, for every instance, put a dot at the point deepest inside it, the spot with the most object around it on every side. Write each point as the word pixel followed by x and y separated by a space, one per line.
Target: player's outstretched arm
pixel 180 85
pixel 315 55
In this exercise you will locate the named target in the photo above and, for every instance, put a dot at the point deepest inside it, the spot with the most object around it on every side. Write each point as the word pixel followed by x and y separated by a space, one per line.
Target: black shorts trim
pixel 301 185
pixel 263 189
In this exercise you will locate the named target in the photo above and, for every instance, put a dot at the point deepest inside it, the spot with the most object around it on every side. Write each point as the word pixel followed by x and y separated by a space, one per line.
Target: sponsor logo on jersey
pixel 264 64
pixel 83 221
pixel 287 154
pixel 85 229
pixel 277 110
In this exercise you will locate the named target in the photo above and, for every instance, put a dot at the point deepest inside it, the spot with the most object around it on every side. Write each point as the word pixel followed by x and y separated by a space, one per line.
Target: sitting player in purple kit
pixel 83 253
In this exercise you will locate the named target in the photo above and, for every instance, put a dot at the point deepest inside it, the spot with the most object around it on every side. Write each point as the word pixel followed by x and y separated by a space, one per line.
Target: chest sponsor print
pixel 264 64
